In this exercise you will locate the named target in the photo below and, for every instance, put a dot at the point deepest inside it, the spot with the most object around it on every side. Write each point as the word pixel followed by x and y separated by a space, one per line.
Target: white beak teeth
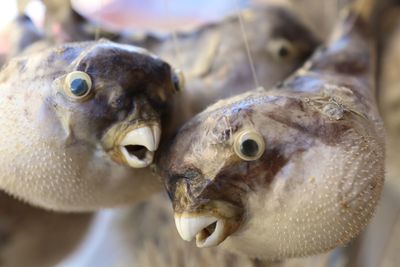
pixel 188 228
pixel 148 138
pixel 142 137
pixel 157 135
pixel 204 240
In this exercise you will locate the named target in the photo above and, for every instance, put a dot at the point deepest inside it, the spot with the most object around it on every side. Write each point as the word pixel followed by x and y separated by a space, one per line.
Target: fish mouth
pixel 138 146
pixel 209 229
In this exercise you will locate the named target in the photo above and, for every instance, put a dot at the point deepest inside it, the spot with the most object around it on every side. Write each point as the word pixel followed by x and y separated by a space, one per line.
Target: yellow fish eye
pixel 249 145
pixel 78 84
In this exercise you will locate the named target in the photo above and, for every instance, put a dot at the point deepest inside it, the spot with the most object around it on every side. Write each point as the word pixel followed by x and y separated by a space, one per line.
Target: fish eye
pixel 249 145
pixel 78 84
pixel 178 79
pixel 281 49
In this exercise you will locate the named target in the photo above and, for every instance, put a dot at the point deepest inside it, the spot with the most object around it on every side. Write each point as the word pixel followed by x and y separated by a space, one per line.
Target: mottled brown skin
pixel 324 141
pixel 234 112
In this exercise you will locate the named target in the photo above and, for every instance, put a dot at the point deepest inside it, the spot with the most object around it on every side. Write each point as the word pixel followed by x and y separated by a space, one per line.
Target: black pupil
pixel 283 52
pixel 79 87
pixel 249 148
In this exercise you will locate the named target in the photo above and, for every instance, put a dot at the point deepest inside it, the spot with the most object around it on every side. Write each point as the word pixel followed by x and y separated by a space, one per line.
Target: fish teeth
pixel 156 135
pixel 141 136
pixel 188 227
pixel 178 225
pixel 217 236
pixel 134 161
pixel 146 137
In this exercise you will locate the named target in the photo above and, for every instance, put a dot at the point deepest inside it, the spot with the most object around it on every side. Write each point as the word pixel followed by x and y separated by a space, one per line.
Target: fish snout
pixel 138 145
pixel 209 228
pixel 134 139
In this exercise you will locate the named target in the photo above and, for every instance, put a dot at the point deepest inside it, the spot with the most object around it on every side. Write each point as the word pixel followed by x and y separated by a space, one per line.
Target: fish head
pixel 116 95
pixel 270 176
pixel 95 113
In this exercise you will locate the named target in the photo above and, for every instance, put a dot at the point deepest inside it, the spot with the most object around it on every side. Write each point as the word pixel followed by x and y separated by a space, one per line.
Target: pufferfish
pixel 81 122
pixel 288 172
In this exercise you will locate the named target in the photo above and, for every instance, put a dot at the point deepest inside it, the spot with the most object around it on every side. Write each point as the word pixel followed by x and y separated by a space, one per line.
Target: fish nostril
pixel 191 174
pixel 121 101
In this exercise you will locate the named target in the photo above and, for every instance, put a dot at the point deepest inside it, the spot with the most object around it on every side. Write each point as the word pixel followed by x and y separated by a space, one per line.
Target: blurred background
pixel 122 15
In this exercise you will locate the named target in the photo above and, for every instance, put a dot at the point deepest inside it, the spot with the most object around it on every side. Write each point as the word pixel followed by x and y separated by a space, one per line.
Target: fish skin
pixel 54 153
pixel 320 178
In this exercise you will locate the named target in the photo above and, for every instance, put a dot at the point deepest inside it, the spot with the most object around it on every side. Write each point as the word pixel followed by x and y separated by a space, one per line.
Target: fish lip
pixel 147 137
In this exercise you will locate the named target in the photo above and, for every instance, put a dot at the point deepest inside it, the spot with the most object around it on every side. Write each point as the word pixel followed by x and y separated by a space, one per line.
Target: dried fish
pixel 80 124
pixel 288 172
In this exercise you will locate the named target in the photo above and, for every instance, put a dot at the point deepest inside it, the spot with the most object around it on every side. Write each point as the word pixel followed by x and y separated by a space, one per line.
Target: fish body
pixel 81 123
pixel 288 172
